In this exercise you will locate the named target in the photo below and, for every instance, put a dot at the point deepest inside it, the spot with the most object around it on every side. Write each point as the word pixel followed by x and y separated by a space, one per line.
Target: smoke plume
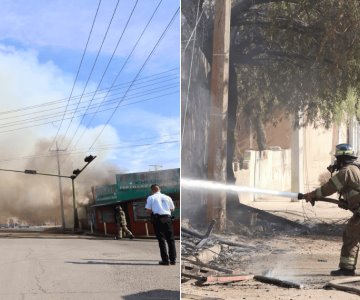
pixel 35 198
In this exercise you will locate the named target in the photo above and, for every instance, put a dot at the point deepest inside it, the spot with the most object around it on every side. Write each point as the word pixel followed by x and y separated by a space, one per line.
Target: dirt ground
pixel 301 255
pixel 304 260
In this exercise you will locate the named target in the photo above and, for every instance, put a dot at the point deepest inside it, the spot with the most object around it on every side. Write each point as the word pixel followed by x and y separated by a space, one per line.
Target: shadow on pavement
pixel 118 263
pixel 154 294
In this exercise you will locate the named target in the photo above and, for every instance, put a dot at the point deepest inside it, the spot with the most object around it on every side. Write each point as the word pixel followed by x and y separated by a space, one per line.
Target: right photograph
pixel 270 140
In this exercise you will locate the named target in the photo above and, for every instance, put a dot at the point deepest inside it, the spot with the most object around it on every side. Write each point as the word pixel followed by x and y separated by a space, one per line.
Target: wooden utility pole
pixel 217 142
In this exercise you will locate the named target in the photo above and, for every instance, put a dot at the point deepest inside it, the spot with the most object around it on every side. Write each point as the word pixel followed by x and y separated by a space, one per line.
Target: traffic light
pixel 76 172
pixel 30 171
pixel 89 158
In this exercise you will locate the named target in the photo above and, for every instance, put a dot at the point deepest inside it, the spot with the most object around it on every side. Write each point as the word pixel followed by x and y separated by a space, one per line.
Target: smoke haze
pixel 35 198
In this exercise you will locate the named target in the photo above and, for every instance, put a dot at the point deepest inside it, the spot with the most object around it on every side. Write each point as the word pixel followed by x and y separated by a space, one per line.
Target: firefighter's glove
pixel 310 197
pixel 343 204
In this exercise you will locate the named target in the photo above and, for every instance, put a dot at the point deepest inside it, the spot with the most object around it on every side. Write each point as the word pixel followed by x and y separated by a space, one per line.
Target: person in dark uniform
pixel 121 223
pixel 160 206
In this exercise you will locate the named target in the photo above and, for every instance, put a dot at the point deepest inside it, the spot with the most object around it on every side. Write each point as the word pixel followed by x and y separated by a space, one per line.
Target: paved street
pixel 64 267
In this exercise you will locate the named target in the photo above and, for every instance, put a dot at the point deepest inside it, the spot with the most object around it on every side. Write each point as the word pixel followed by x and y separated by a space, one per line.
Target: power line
pixel 143 90
pixel 189 80
pixel 103 75
pixel 126 104
pixel 51 116
pixel 137 75
pixel 93 67
pixel 117 76
pixel 194 30
pixel 78 71
pixel 115 88
pixel 79 151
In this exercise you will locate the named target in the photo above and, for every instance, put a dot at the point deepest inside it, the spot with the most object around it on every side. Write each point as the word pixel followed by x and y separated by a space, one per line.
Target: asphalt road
pixel 66 267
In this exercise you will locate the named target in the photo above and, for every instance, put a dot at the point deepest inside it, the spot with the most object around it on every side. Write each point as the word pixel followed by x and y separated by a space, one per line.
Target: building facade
pixel 131 191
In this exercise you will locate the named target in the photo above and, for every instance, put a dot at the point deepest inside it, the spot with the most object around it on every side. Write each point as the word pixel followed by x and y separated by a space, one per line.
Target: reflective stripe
pixel 347 260
pixel 318 193
pixel 337 183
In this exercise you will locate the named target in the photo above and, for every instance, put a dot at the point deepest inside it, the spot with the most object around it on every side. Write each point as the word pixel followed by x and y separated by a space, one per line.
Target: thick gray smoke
pixel 35 198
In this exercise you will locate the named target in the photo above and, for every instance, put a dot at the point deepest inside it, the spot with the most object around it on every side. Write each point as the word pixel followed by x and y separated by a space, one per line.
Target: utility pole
pixel 156 167
pixel 60 188
pixel 297 158
pixel 217 142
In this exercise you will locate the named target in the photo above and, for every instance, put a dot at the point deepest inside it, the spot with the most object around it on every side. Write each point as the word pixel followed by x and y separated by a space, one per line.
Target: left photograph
pixel 90 160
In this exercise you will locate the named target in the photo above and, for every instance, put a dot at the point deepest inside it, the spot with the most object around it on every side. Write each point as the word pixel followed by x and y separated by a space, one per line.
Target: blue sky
pixel 41 46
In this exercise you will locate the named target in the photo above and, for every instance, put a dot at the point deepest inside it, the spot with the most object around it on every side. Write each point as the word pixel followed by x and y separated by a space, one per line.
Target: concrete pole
pixel 297 161
pixel 76 220
pixel 217 142
pixel 146 229
pixel 60 188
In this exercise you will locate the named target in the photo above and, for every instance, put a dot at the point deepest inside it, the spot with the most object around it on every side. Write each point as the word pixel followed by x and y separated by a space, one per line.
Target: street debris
pixel 212 267
pixel 185 296
pixel 340 284
pixel 206 274
pixel 216 279
pixel 207 234
pixel 193 271
pixel 240 258
pixel 279 282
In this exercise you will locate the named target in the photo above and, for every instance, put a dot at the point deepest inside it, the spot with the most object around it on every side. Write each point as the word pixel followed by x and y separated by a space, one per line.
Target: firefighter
pixel 121 223
pixel 346 182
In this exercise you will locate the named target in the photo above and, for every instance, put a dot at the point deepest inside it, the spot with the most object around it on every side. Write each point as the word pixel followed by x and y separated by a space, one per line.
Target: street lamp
pixel 76 173
pixel 88 159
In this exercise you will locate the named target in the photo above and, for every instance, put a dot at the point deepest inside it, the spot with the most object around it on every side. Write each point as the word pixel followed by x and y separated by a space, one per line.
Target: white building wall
pixel 271 169
pixel 318 154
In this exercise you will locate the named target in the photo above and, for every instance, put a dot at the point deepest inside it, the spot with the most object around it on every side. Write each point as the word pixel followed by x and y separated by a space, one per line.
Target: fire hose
pixel 322 199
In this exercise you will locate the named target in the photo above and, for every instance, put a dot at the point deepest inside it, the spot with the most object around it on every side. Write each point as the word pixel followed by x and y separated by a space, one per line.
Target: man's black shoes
pixel 164 263
pixel 343 272
pixel 173 262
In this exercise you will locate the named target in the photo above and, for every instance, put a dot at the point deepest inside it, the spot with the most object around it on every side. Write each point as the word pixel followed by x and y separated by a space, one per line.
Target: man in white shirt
pixel 161 206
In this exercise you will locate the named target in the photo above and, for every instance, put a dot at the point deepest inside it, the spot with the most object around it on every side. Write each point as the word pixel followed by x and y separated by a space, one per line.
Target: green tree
pixel 300 57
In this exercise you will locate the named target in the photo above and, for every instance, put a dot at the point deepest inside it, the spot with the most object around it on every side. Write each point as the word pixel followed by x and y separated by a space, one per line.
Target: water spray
pixel 217 186
pixel 213 185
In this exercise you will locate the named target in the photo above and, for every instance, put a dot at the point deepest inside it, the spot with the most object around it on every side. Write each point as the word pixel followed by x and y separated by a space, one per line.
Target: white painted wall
pixel 272 169
pixel 269 169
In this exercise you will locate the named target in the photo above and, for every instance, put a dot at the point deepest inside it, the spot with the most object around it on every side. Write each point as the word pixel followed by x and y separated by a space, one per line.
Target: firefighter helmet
pixel 345 149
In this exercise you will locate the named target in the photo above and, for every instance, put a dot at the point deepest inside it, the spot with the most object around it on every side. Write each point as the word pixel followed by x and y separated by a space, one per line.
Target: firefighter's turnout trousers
pixel 124 228
pixel 350 248
pixel 347 183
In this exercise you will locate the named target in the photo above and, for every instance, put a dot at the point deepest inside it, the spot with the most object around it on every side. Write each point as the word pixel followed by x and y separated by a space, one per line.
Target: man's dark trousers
pixel 164 232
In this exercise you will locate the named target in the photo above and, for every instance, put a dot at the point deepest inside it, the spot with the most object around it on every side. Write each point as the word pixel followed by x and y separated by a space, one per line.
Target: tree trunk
pixel 232 109
pixel 260 134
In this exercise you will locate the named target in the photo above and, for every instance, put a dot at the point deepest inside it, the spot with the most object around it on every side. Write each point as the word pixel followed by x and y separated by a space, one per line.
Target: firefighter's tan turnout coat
pixel 347 183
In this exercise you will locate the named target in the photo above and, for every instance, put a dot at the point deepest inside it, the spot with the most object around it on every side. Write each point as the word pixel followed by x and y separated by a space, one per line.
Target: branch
pixel 283 24
pixel 245 5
